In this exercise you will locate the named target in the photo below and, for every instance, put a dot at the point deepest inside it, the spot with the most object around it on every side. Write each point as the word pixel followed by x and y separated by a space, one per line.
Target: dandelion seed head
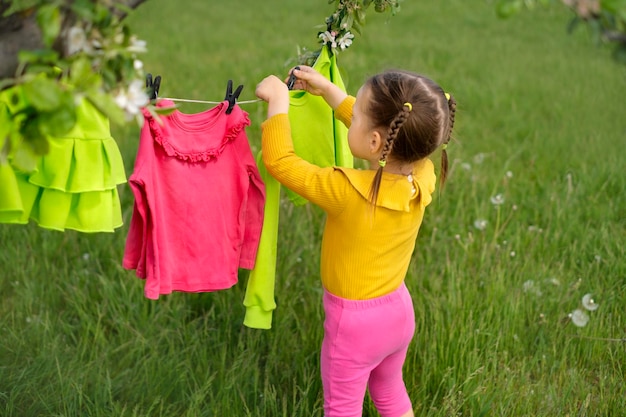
pixel 598 258
pixel 512 254
pixel 479 158
pixel 530 287
pixel 480 224
pixel 555 281
pixel 466 166
pixel 497 200
pixel 528 284
pixel 509 174
pixel 589 303
pixel 579 318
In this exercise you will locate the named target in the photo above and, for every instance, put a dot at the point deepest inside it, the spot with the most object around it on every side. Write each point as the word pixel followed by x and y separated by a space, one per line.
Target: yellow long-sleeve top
pixel 365 253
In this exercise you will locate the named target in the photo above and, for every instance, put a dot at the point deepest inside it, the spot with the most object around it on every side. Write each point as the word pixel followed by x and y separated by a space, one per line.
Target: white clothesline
pixel 207 102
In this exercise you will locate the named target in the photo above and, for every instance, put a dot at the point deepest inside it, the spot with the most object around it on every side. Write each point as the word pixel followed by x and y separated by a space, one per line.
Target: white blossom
pixel 346 40
pixel 579 318
pixel 137 45
pixel 328 38
pixel 132 100
pixel 76 40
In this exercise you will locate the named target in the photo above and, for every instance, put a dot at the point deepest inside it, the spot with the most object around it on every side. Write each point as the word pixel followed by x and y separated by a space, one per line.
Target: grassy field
pixel 533 218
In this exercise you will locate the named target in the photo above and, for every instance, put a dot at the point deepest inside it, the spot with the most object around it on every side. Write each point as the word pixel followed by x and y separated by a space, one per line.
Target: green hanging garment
pixel 320 139
pixel 74 185
pixel 317 136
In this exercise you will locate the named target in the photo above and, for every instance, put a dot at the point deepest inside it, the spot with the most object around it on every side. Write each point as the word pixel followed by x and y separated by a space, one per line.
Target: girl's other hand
pixel 270 88
pixel 275 93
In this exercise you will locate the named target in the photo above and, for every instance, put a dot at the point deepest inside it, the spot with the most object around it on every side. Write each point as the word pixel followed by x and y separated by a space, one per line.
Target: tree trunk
pixel 19 31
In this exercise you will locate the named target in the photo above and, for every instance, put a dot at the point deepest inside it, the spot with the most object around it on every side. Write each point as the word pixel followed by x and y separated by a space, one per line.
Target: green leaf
pixel 164 111
pixel 19 5
pixel 615 7
pixel 82 75
pixel 507 8
pixel 7 82
pixel 49 21
pixel 84 9
pixel 573 24
pixel 360 16
pixel 33 137
pixel 107 106
pixel 43 94
pixel 37 55
pixel 59 122
pixel 619 54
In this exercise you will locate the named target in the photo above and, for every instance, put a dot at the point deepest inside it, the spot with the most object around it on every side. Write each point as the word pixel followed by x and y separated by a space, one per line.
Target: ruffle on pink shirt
pixel 230 126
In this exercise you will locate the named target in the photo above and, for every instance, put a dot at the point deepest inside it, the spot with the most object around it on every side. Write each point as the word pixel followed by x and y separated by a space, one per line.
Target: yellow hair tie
pixel 447 96
pixel 444 146
pixel 382 163
pixel 409 105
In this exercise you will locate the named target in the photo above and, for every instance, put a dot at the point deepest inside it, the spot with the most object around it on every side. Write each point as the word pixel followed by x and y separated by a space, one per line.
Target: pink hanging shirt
pixel 199 200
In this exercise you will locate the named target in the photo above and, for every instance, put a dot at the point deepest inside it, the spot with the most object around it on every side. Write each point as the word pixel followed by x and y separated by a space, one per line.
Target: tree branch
pixel 19 32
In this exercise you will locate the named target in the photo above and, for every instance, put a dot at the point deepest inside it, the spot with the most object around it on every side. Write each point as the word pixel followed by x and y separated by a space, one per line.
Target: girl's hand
pixel 310 80
pixel 270 88
pixel 275 93
pixel 315 83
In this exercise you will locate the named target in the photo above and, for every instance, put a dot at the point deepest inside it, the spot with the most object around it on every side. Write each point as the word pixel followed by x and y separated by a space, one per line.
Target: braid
pixel 444 153
pixel 392 133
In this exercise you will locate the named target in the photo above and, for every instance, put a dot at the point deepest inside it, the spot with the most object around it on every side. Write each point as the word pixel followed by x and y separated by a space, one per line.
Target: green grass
pixel 540 121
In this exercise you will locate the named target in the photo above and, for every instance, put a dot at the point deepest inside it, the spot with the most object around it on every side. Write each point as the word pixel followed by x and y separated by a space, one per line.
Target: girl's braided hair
pixel 414 115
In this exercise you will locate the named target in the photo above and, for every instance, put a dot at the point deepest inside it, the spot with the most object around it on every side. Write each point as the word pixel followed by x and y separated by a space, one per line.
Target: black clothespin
pixel 232 97
pixel 292 79
pixel 153 87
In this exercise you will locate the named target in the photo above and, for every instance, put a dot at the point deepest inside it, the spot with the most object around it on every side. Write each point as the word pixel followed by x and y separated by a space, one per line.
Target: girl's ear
pixel 375 142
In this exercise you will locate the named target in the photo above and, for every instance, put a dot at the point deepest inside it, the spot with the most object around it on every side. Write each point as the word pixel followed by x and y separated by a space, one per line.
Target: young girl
pixel 396 121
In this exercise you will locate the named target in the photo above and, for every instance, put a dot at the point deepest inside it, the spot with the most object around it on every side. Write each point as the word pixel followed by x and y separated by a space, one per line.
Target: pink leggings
pixel 364 347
